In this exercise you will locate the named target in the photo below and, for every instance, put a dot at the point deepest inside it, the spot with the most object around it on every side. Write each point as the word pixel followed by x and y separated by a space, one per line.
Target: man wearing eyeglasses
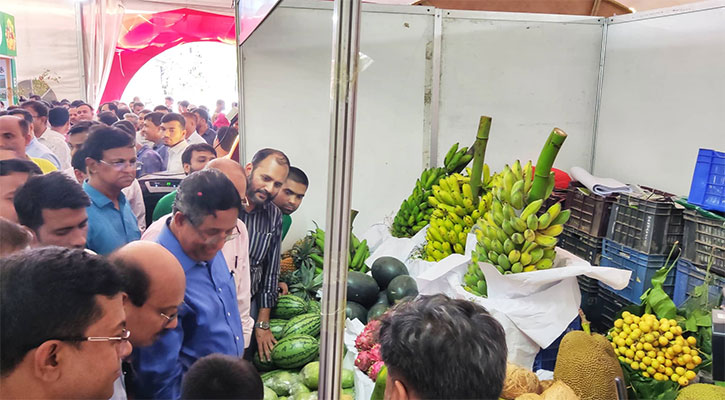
pixel 63 325
pixel 111 166
pixel 204 218
pixel 154 283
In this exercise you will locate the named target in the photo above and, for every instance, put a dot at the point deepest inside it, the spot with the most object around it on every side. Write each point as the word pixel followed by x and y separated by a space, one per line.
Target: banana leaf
pixel 640 387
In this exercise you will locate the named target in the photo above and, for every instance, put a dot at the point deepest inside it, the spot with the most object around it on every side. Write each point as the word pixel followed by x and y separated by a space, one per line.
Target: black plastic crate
pixel 589 288
pixel 589 212
pixel 557 196
pixel 704 237
pixel 649 225
pixel 610 304
pixel 581 244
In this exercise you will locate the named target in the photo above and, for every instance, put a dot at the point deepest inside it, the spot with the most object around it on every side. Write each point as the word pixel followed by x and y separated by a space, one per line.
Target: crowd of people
pixel 95 304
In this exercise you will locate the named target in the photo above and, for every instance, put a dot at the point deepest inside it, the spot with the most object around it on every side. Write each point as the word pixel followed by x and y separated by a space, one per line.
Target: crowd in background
pixel 95 304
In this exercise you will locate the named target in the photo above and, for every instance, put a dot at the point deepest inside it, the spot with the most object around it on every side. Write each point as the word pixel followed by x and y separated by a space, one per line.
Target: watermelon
pixel 295 351
pixel 289 306
pixel 354 310
pixel 276 326
pixel 362 288
pixel 383 298
pixel 384 269
pixel 377 311
pixel 401 287
pixel 304 324
pixel 314 307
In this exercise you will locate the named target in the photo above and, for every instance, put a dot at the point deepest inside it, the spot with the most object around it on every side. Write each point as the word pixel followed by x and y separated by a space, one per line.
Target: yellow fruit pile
pixel 655 347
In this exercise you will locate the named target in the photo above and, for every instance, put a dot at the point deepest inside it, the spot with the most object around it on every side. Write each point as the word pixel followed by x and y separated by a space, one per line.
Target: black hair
pixel 262 155
pixel 226 136
pixel 78 161
pixel 85 104
pixel 168 98
pixel 58 116
pixel 76 103
pixel 298 176
pixel 184 103
pixel 13 165
pixel 64 101
pixel 37 106
pixel 135 281
pixel 201 113
pixel 186 155
pixel 204 193
pixel 49 293
pixel 127 126
pixel 102 138
pixel 456 336
pixel 161 107
pixel 155 117
pixel 108 117
pixel 27 116
pixel 35 97
pixel 50 191
pixel 121 111
pixel 219 376
pixel 174 117
pixel 82 127
pixel 111 106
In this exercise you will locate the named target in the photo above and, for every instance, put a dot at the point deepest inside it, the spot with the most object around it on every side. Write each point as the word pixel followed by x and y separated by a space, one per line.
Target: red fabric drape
pixel 144 36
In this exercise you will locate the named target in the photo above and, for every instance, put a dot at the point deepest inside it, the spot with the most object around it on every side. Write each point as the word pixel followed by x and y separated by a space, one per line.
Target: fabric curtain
pixel 100 27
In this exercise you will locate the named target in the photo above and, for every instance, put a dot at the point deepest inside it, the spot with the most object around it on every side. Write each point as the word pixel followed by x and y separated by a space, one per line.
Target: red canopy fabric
pixel 145 36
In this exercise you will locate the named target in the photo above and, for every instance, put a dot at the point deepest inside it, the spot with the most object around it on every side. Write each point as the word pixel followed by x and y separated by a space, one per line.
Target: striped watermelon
pixel 315 307
pixel 289 306
pixel 262 366
pixel 295 351
pixel 276 326
pixel 304 324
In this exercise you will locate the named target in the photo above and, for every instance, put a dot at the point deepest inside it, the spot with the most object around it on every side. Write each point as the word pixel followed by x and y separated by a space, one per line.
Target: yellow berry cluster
pixel 655 347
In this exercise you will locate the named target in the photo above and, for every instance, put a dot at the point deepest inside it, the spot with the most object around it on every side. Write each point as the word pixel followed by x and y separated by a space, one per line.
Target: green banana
pixel 562 218
pixel 545 240
pixel 544 220
pixel 531 209
pixel 449 155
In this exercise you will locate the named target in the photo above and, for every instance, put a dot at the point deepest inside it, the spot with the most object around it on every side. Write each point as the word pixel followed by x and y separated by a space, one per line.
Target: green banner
pixel 8 41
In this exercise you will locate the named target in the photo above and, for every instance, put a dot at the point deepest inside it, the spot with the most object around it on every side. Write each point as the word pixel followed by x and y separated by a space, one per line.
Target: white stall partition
pixel 663 95
pixel 287 103
pixel 530 72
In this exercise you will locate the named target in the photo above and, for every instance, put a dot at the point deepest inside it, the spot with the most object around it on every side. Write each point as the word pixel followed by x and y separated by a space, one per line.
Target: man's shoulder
pixel 45 165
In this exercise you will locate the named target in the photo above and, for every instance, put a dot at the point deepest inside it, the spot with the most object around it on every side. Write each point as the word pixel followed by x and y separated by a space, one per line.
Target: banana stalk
pixel 543 165
pixel 479 153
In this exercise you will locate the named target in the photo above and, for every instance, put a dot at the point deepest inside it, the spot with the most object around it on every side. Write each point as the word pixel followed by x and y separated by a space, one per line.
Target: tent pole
pixel 242 147
pixel 345 47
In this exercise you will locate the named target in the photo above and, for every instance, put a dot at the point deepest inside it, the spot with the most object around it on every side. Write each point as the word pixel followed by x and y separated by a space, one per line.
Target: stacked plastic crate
pixel 642 231
pixel 583 236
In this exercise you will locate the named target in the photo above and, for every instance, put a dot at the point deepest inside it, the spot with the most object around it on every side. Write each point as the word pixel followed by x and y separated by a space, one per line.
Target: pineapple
pixel 298 257
pixel 286 269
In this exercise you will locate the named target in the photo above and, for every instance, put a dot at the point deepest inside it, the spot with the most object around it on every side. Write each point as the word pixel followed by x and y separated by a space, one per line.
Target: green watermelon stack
pixel 295 351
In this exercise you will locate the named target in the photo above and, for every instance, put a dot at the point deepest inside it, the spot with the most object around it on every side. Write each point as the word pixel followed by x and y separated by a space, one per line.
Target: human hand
pixel 283 287
pixel 265 343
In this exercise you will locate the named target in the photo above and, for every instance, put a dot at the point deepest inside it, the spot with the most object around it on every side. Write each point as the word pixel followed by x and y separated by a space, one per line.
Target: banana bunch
pixel 510 235
pixel 359 251
pixel 455 213
pixel 415 211
pixel 474 281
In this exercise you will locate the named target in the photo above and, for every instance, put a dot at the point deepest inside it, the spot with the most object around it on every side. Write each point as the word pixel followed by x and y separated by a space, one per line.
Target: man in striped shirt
pixel 265 176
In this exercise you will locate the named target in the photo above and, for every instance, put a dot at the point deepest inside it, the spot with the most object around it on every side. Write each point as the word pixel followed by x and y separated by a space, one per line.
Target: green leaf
pixel 648 388
pixel 661 303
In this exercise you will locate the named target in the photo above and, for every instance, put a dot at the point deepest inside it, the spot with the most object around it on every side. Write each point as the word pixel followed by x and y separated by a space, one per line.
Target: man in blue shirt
pixel 35 149
pixel 151 130
pixel 111 165
pixel 204 218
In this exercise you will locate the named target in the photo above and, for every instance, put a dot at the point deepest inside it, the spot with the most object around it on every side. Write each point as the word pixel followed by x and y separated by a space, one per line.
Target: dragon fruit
pixel 375 353
pixel 364 361
pixel 375 370
pixel 366 339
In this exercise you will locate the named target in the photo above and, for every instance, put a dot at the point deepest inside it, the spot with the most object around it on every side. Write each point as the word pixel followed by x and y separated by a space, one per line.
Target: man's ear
pixel 178 219
pixel 91 165
pixel 399 392
pixel 187 168
pixel 248 169
pixel 47 361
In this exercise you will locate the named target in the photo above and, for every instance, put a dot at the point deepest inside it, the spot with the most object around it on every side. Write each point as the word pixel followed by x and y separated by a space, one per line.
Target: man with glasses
pixel 154 283
pixel 111 166
pixel 235 251
pixel 204 218
pixel 63 325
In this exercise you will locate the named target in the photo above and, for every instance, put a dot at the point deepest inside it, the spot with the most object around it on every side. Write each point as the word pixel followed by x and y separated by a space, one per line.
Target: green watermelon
pixel 262 366
pixel 354 310
pixel 377 311
pixel 314 307
pixel 383 298
pixel 401 287
pixel 295 351
pixel 289 306
pixel 276 326
pixel 362 288
pixel 384 269
pixel 304 324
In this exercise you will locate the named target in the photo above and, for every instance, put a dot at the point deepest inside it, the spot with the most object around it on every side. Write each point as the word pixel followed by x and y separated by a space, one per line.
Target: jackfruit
pixel 699 391
pixel 588 365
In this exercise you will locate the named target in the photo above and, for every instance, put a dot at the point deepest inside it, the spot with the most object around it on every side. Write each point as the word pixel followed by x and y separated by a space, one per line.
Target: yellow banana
pixel 445 247
pixel 468 205
pixel 458 228
pixel 554 210
pixel 460 211
pixel 466 190
pixel 532 222
pixel 544 220
pixel 514 256
pixel 453 184
pixel 457 199
pixel 443 183
pixel 554 230
pixel 536 255
pixel 433 201
pixel 447 199
pixel 544 263
pixel 531 209
pixel 468 220
pixel 525 258
pixel 518 224
pixel 476 215
pixel 486 174
pixel 452 237
pixel 529 235
pixel 545 240
pixel 529 268
pixel 448 224
pixel 516 169
pixel 458 248
pixel 462 237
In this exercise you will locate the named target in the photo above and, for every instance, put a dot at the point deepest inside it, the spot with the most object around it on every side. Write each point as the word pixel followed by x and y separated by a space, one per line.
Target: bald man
pixel 236 251
pixel 154 283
